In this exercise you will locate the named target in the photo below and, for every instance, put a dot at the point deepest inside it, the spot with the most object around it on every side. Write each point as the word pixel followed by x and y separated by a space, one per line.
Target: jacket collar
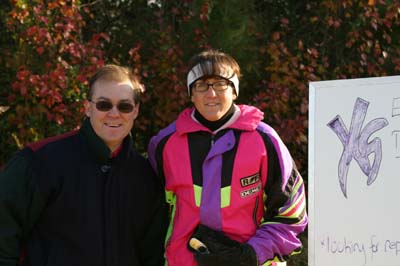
pixel 247 119
pixel 97 145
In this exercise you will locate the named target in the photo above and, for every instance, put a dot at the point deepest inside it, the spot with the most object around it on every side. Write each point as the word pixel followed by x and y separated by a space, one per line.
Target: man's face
pixel 112 126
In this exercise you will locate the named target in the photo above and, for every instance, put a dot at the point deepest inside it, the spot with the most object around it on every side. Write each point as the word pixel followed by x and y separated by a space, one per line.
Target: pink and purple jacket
pixel 240 180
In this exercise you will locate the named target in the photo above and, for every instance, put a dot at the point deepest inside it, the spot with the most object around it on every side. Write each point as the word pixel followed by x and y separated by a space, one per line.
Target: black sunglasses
pixel 105 106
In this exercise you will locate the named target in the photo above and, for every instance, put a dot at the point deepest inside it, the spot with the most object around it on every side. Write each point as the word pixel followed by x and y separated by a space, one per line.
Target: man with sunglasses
pixel 85 197
pixel 236 196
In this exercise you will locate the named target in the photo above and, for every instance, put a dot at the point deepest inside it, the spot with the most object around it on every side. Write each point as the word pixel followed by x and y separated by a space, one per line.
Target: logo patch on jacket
pixel 249 180
pixel 251 191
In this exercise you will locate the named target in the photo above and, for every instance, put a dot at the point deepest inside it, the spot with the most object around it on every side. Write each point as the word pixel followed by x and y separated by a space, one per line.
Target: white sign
pixel 354 172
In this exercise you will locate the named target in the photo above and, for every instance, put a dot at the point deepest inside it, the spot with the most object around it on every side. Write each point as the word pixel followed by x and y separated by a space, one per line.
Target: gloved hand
pixel 223 251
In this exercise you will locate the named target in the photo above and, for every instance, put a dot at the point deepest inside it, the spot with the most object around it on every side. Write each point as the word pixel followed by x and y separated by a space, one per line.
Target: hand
pixel 223 251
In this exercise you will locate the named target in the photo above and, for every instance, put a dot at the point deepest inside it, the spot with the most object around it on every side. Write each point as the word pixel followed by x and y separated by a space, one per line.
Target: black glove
pixel 223 251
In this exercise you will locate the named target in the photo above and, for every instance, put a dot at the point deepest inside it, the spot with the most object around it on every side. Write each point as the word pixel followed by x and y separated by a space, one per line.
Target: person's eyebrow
pixel 125 100
pixel 108 99
pixel 103 98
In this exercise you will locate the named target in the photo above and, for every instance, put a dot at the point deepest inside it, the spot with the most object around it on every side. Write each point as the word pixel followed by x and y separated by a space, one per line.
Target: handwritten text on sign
pixel 365 250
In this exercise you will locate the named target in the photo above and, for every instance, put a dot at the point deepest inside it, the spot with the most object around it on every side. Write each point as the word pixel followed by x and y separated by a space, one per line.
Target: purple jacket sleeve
pixel 154 144
pixel 285 216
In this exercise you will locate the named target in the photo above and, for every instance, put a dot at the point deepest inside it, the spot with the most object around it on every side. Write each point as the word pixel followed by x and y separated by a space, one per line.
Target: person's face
pixel 112 126
pixel 212 104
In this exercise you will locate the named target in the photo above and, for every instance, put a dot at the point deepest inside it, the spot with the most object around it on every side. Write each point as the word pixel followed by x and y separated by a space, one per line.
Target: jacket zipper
pixel 255 212
pixel 175 212
pixel 105 176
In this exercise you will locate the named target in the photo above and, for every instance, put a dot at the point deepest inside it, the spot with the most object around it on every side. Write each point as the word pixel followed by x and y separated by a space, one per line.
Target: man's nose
pixel 114 111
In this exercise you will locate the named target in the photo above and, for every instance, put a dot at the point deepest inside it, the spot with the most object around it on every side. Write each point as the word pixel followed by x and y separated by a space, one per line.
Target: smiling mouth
pixel 113 125
pixel 212 104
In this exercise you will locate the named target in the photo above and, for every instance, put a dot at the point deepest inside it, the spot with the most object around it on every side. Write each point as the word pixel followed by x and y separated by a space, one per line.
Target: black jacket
pixel 64 202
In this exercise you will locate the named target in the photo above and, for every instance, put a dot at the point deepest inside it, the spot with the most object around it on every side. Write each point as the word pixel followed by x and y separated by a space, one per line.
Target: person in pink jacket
pixel 236 196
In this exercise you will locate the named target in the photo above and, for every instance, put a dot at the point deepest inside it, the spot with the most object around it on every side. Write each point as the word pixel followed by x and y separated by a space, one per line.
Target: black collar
pixel 97 145
pixel 214 125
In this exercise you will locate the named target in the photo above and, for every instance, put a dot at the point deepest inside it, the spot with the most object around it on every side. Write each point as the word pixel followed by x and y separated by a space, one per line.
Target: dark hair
pixel 116 73
pixel 214 63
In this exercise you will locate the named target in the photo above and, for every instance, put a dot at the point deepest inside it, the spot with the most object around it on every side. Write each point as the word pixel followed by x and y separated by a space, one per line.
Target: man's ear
pixel 136 110
pixel 87 107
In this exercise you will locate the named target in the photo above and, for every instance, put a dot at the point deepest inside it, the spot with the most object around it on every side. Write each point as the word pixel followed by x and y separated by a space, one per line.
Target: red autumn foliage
pixel 54 46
